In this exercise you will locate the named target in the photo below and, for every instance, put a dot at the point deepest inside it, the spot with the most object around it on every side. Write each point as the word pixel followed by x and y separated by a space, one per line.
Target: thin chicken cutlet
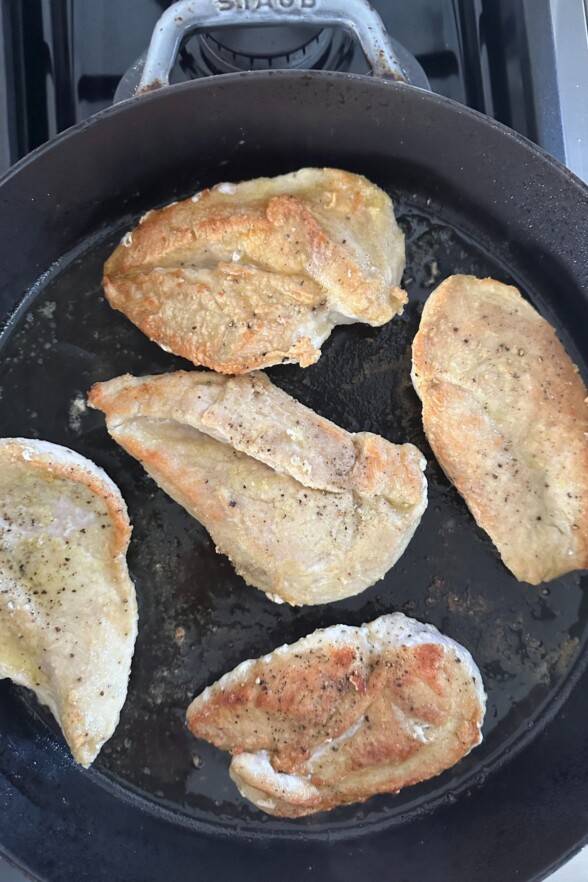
pixel 305 511
pixel 68 612
pixel 248 275
pixel 504 409
pixel 344 714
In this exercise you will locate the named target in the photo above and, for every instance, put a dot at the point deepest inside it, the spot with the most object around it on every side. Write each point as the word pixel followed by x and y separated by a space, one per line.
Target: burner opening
pixel 265 48
pixel 293 47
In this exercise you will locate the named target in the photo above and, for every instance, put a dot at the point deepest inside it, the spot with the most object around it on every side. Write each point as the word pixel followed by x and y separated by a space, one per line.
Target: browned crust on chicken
pixel 504 409
pixel 343 714
pixel 245 276
pixel 307 512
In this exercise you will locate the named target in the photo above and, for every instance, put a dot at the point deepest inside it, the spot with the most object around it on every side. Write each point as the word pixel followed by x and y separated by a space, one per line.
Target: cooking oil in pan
pixel 198 619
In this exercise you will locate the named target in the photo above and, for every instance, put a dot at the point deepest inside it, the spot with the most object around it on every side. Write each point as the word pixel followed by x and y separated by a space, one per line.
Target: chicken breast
pixel 306 512
pixel 68 613
pixel 247 275
pixel 505 413
pixel 344 714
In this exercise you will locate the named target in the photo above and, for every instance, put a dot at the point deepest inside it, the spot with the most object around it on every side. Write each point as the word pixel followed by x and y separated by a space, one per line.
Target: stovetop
pixel 523 62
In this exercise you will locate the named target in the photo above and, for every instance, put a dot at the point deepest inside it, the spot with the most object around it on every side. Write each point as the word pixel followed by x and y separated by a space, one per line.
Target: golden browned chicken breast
pixel 306 512
pixel 248 275
pixel 504 410
pixel 344 714
pixel 68 613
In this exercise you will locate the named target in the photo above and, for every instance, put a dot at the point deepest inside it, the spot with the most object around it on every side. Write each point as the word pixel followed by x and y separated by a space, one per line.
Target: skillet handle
pixel 180 19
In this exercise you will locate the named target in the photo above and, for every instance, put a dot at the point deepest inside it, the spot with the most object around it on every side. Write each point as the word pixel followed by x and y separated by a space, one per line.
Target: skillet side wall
pixel 525 820
pixel 523 208
pixel 139 154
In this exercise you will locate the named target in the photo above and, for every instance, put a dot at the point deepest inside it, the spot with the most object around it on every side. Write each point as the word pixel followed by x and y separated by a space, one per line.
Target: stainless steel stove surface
pixel 523 62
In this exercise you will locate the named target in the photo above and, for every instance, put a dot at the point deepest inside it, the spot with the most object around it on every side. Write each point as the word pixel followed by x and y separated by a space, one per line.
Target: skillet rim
pixel 575 674
pixel 206 82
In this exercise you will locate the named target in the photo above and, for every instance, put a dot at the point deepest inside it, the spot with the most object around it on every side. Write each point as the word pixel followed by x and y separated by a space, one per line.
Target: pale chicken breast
pixel 344 714
pixel 504 409
pixel 306 512
pixel 247 275
pixel 68 612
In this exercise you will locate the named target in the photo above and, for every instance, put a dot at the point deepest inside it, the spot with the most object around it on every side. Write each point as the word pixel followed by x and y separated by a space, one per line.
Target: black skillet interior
pixel 197 618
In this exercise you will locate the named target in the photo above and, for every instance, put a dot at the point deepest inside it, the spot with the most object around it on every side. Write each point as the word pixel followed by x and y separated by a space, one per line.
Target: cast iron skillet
pixel 471 197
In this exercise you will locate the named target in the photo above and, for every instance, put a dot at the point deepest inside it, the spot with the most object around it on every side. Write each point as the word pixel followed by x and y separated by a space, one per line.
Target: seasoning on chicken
pixel 68 612
pixel 247 275
pixel 504 409
pixel 344 714
pixel 307 512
